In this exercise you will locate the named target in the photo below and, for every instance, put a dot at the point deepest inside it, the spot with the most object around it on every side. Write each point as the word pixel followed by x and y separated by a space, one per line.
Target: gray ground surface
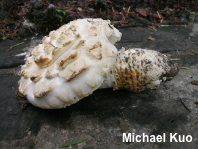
pixel 105 115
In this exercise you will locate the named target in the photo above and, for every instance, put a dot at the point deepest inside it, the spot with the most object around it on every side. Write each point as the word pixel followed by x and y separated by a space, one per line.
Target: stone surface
pixel 166 38
pixel 103 116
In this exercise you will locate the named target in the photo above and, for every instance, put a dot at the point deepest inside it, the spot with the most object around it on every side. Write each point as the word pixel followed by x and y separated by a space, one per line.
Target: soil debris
pixel 47 15
pixel 194 82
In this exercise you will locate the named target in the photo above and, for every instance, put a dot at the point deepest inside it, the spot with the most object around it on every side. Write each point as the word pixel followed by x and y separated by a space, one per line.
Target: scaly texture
pixel 137 69
pixel 70 63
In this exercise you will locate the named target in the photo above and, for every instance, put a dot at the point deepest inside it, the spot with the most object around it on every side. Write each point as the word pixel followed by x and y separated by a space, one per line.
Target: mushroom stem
pixel 138 69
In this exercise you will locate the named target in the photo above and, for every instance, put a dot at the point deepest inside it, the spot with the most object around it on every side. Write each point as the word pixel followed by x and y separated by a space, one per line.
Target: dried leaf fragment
pixel 194 82
pixel 141 11
pixel 151 38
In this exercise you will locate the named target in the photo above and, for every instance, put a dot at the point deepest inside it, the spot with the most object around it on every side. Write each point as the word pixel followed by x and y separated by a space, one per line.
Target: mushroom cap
pixel 138 69
pixel 70 63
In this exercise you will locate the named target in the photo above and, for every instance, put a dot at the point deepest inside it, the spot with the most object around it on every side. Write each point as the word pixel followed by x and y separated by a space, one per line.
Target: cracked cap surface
pixel 70 63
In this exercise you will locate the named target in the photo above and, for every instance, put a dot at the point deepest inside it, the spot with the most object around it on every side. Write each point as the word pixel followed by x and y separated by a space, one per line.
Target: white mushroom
pixel 70 63
pixel 80 57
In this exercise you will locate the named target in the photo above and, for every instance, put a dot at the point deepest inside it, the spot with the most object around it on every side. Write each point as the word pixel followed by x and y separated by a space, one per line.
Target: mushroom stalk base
pixel 138 69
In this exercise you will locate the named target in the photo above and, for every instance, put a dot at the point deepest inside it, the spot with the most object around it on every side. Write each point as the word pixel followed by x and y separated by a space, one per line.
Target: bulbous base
pixel 138 69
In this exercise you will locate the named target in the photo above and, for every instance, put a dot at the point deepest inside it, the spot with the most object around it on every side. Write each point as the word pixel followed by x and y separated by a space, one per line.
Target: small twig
pixel 71 8
pixel 159 17
pixel 184 105
pixel 158 14
pixel 187 10
pixel 128 11
pixel 124 127
pixel 115 22
pixel 73 143
pixel 164 25
pixel 152 28
pixel 17 45
pixel 184 68
pixel 113 10
pixel 175 59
